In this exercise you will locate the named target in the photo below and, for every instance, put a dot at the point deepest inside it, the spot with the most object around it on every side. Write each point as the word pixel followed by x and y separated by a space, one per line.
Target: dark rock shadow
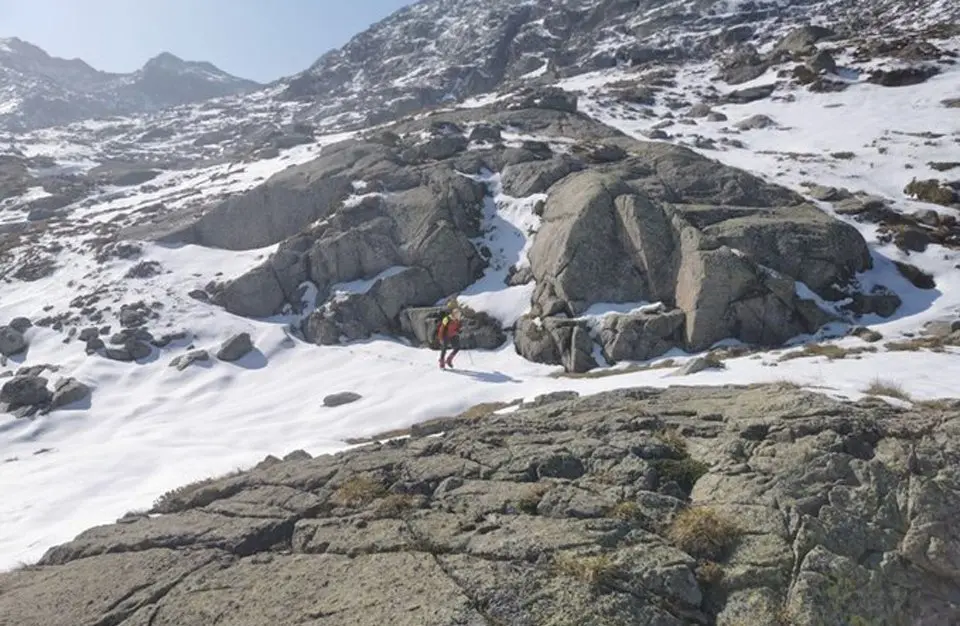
pixel 79 405
pixel 253 360
pixel 17 360
pixel 486 377
pixel 153 357
pixel 914 300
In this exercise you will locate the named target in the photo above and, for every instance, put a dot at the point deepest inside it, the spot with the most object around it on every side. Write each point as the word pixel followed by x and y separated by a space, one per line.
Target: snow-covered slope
pixel 37 90
pixel 149 427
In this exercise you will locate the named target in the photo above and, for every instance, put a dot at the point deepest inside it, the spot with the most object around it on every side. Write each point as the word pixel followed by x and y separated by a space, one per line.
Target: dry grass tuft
pixel 395 505
pixel 685 472
pixel 828 350
pixel 940 404
pixel 934 343
pixel 671 437
pixel 358 491
pixel 887 388
pixel 175 499
pixel 709 573
pixel 703 533
pixel 529 502
pixel 484 409
pixel 595 571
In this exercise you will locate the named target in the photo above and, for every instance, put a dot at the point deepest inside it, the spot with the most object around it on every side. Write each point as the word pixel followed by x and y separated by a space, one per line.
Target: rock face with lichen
pixel 734 505
pixel 620 220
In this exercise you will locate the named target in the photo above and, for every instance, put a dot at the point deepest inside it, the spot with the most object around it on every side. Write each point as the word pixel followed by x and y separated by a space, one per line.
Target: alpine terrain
pixel 708 258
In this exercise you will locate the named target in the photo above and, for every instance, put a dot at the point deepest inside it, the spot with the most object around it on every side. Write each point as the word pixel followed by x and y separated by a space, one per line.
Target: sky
pixel 258 39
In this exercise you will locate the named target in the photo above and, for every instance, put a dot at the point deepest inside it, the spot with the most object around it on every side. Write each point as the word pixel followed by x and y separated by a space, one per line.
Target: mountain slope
pixel 439 51
pixel 131 321
pixel 37 90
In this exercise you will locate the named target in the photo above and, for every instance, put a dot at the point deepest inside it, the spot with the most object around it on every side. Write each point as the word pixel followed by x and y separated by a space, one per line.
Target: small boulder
pixel 235 348
pixel 130 317
pixel 600 153
pixel 755 122
pixel 486 133
pixel 750 94
pixel 341 398
pixel 68 391
pixel 912 239
pixel 699 364
pixel 21 324
pixel 88 334
pixel 144 269
pixel 828 194
pixel 132 350
pixel 867 334
pixel 25 391
pixel 903 77
pixel 184 361
pixel 443 147
pixel 932 191
pixel 801 39
pixel 804 75
pixel 298 455
pixel 928 216
pixel 822 61
pixel 165 340
pixel 94 344
pixel 941 328
pixel 699 110
pixel 917 277
pixel 12 341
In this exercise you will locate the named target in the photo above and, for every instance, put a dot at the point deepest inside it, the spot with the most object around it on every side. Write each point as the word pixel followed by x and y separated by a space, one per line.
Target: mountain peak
pixel 166 59
pixel 29 75
pixel 15 45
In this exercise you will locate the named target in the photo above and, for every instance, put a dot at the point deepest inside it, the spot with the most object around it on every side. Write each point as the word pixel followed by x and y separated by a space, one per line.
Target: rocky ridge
pixel 437 53
pixel 735 505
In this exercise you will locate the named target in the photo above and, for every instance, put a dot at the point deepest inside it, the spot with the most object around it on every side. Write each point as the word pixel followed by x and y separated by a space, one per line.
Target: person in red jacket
pixel 449 336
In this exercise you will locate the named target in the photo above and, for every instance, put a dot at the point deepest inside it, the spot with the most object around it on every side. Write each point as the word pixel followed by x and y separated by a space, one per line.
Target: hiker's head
pixel 457 314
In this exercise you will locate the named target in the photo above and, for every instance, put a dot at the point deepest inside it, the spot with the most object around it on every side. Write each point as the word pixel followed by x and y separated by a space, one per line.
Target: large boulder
pixel 68 391
pixel 25 390
pixel 555 341
pixel 478 332
pixel 720 245
pixel 353 316
pixel 283 205
pixel 640 336
pixel 378 310
pixel 235 348
pixel 256 293
pixel 426 225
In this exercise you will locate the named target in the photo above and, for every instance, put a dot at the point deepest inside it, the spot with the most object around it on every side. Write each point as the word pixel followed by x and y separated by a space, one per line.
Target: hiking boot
pixel 449 362
pixel 442 364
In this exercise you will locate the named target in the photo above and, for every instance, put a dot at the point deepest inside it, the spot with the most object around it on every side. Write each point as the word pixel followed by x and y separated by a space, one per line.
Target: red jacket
pixel 449 327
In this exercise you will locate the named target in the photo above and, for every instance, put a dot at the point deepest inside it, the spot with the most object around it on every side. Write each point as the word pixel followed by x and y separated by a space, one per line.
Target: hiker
pixel 449 335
